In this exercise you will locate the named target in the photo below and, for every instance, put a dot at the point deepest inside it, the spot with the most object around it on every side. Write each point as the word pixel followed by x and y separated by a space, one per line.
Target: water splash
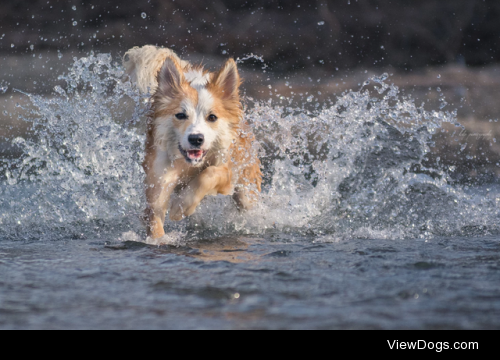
pixel 354 169
pixel 254 57
pixel 81 166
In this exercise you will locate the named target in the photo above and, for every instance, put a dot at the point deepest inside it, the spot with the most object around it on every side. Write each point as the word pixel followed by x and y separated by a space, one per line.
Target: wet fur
pixel 229 166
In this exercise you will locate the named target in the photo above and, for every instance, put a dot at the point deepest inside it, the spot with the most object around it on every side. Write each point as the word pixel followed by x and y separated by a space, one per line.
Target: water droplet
pixel 322 61
pixel 310 99
pixel 60 56
pixel 144 15
pixel 439 76
pixel 32 47
pixel 74 7
pixel 75 23
pixel 12 45
pixel 321 23
pixel 59 90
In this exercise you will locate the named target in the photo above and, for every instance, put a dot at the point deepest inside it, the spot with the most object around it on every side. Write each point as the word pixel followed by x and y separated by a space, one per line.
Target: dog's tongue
pixel 195 154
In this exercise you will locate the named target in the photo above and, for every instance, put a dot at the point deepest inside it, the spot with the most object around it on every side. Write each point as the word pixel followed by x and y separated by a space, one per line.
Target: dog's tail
pixel 143 64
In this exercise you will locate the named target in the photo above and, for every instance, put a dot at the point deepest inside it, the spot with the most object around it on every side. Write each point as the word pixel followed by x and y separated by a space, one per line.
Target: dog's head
pixel 196 112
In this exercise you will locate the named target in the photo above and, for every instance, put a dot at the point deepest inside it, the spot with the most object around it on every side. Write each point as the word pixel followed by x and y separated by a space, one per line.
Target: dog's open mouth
pixel 193 155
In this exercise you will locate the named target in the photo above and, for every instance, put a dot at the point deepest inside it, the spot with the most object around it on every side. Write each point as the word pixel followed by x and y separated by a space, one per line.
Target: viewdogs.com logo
pixel 429 345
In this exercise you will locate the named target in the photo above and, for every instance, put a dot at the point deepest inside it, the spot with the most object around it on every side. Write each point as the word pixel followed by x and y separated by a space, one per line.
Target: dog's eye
pixel 181 116
pixel 212 118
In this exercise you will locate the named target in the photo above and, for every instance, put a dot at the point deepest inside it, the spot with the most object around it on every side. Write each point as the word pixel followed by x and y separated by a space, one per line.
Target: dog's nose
pixel 196 139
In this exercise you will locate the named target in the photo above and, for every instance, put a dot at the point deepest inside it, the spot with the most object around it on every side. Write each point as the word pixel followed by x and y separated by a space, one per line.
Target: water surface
pixel 251 283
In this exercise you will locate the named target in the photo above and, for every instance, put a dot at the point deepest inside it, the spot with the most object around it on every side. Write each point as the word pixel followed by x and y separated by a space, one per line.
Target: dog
pixel 197 142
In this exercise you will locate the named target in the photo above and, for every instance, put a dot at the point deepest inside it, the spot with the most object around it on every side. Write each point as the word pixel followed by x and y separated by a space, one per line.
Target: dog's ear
pixel 228 80
pixel 170 78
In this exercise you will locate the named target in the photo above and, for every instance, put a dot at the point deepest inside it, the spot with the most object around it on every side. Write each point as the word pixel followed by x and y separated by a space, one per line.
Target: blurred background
pixel 432 49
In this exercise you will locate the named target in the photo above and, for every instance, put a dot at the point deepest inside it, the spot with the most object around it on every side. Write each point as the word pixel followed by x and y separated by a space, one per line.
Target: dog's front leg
pixel 247 193
pixel 158 191
pixel 212 181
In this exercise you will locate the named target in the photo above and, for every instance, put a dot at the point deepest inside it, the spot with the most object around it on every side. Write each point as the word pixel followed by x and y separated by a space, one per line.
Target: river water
pixel 352 230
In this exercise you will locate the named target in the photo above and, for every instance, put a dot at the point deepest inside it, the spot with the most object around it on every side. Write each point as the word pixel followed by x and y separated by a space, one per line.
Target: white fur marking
pixel 205 102
pixel 196 78
pixel 199 123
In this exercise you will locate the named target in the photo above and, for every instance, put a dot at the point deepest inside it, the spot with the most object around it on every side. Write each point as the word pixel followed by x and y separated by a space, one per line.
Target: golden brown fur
pixel 228 166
